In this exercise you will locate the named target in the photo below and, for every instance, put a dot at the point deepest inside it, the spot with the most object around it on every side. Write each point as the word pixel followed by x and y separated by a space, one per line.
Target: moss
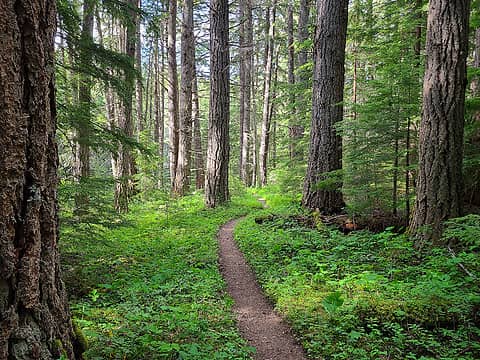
pixel 58 349
pixel 80 336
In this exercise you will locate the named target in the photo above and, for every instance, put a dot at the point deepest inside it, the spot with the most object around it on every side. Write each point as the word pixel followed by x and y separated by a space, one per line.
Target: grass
pixel 147 286
pixel 364 295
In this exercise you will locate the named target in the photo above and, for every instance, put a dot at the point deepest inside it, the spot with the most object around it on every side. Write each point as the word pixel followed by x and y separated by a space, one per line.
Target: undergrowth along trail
pixel 150 288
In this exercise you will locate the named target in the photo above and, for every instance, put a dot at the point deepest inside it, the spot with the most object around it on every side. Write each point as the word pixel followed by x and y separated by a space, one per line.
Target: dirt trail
pixel 258 322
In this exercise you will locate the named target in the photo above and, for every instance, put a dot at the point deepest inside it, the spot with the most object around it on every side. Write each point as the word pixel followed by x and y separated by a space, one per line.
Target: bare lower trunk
pixel 218 153
pixel 34 315
pixel 158 110
pixel 246 45
pixel 327 109
pixel 197 136
pixel 182 179
pixel 440 178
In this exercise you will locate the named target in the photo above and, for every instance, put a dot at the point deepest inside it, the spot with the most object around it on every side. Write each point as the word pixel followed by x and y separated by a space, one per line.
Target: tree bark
pixel 440 180
pixel 182 179
pixel 34 314
pixel 172 89
pixel 246 47
pixel 197 136
pixel 218 152
pixel 325 153
pixel 264 140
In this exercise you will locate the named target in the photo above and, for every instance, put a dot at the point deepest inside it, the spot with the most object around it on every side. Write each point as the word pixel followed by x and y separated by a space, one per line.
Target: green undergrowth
pixel 364 295
pixel 147 285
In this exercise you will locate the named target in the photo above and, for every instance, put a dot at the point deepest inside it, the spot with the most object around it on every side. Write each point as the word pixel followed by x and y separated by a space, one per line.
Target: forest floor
pixel 259 324
pixel 148 285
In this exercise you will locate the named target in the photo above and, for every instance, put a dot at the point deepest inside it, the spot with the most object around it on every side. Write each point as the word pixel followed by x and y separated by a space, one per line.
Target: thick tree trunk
pixel 172 89
pixel 34 315
pixel 440 179
pixel 325 153
pixel 246 47
pixel 264 140
pixel 218 152
pixel 199 163
pixel 182 179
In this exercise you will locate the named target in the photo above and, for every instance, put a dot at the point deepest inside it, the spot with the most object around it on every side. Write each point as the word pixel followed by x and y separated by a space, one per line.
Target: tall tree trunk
pixel 218 152
pixel 303 35
pixel 124 186
pixel 255 169
pixel 82 156
pixel 291 82
pixel 440 178
pixel 172 89
pixel 325 153
pixel 298 129
pixel 246 47
pixel 138 61
pixel 408 146
pixel 158 112
pixel 264 140
pixel 199 163
pixel 271 111
pixel 34 314
pixel 182 179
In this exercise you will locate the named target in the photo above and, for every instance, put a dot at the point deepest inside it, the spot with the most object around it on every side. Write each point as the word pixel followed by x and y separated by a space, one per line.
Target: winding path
pixel 258 323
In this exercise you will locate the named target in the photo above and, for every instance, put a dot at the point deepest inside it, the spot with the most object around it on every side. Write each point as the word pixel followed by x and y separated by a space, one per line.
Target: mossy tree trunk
pixel 34 315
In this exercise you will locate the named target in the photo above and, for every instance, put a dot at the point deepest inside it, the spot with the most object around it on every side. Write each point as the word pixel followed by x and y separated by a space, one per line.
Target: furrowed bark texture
pixel 218 152
pixel 440 181
pixel 182 179
pixel 34 315
pixel 325 153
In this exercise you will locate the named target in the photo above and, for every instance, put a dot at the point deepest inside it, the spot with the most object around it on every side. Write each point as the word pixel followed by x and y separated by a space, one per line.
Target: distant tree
pixel 440 179
pixel 182 179
pixel 267 94
pixel 172 88
pixel 34 314
pixel 125 160
pixel 325 153
pixel 218 152
pixel 199 162
pixel 246 47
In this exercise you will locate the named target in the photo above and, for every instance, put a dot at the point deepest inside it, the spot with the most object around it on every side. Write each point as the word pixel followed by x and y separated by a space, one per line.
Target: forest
pixel 278 180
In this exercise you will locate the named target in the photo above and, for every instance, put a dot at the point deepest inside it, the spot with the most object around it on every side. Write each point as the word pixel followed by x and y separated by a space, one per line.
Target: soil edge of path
pixel 257 321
